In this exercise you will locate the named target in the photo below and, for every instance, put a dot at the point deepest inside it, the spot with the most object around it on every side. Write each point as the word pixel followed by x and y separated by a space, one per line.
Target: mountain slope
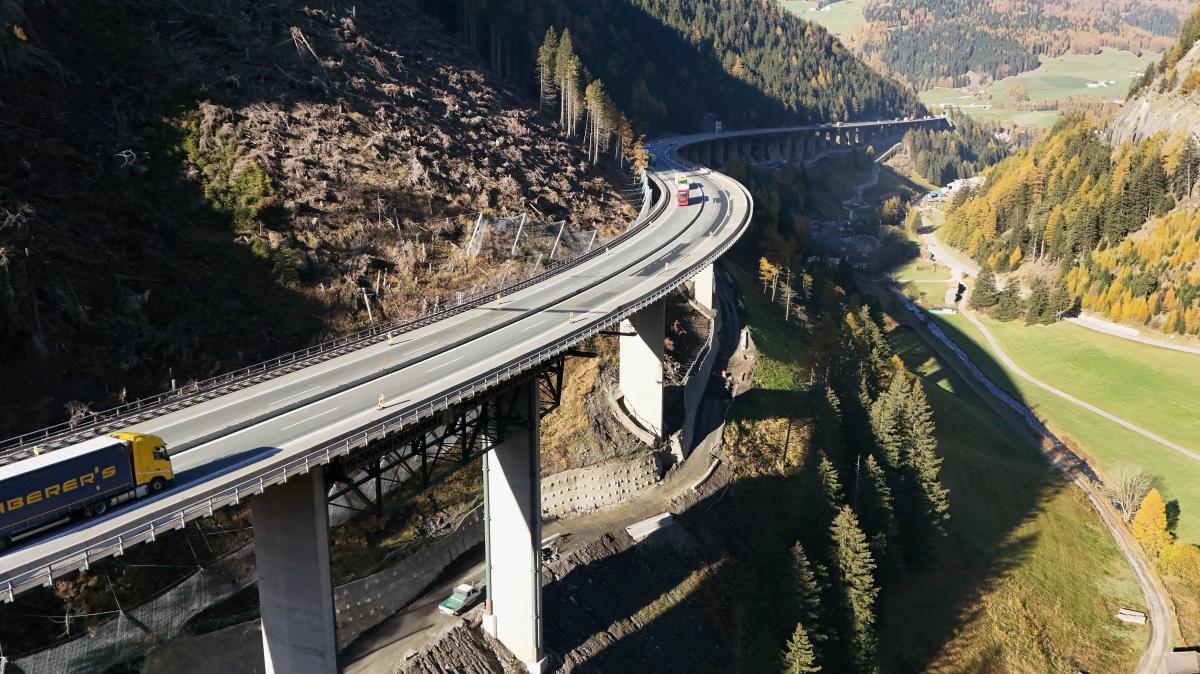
pixel 748 62
pixel 185 187
pixel 950 42
pixel 1170 101
pixel 1120 219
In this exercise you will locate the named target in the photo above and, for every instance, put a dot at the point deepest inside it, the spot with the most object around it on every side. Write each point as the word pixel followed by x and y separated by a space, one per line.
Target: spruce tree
pixel 831 488
pixel 1038 311
pixel 805 593
pixel 886 421
pixel 1061 301
pixel 854 571
pixel 877 506
pixel 799 657
pixel 924 463
pixel 1008 306
pixel 984 294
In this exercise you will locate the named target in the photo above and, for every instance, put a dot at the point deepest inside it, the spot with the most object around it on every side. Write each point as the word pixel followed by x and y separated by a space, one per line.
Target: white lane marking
pixel 294 395
pixel 319 414
pixel 534 325
pixel 445 364
pixel 293 441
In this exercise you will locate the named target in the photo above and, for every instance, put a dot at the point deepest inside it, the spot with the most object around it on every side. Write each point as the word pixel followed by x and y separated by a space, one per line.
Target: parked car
pixel 463 598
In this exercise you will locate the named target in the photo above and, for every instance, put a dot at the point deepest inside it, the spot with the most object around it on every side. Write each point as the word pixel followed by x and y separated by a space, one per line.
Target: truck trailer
pixel 86 478
pixel 681 196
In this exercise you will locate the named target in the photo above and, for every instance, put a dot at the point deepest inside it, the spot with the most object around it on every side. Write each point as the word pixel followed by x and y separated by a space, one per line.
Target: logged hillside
pixel 933 43
pixel 1119 219
pixel 185 187
pixel 748 62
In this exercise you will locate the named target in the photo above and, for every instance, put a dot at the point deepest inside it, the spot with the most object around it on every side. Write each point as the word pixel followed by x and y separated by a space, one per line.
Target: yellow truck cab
pixel 149 458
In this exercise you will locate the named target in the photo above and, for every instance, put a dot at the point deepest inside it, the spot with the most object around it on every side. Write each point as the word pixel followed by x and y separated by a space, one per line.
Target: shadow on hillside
pixel 703 594
pixel 661 58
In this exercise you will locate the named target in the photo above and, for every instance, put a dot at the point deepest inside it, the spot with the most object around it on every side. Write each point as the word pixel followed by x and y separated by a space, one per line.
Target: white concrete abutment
pixel 641 368
pixel 512 534
pixel 295 591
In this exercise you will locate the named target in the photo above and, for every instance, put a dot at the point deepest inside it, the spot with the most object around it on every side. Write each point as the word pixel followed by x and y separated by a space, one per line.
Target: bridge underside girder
pixel 404 465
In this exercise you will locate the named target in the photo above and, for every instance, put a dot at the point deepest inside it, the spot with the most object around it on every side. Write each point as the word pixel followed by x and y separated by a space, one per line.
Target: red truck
pixel 682 196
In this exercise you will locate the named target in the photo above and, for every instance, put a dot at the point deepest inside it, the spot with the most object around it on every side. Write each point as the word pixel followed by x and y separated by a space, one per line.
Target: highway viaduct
pixel 403 406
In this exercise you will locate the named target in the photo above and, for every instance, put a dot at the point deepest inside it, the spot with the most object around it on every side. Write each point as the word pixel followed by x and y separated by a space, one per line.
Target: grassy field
pixel 1057 77
pixel 1153 388
pixel 781 358
pixel 1044 575
pixel 839 18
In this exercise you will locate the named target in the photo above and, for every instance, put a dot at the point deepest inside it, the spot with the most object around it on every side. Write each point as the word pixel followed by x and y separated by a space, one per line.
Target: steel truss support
pixel 407 463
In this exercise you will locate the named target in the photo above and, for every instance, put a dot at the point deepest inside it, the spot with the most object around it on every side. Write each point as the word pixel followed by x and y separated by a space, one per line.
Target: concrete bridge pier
pixel 295 592
pixel 641 371
pixel 512 534
pixel 702 288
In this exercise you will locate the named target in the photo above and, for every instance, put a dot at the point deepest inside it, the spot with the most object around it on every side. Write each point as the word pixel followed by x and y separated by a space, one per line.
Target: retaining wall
pixel 602 485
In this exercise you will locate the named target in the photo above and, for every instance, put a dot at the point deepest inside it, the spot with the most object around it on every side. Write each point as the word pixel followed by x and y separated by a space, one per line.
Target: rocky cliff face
pixel 1171 104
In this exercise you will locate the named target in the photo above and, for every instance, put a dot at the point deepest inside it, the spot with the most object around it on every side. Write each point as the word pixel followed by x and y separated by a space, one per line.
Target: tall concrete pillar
pixel 703 288
pixel 295 593
pixel 641 371
pixel 512 534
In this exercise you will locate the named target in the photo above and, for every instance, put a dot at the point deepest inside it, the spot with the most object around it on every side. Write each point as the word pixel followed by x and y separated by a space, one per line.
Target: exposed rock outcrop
pixel 1169 104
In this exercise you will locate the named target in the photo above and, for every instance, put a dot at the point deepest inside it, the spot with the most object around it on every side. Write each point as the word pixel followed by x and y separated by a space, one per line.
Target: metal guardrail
pixel 203 505
pixel 93 424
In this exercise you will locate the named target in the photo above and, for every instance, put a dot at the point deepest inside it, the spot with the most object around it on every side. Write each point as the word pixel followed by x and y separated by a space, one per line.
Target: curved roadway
pixel 240 443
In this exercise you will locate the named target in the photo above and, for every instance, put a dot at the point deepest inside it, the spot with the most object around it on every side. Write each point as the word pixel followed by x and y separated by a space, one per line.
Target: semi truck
pixel 86 478
pixel 681 196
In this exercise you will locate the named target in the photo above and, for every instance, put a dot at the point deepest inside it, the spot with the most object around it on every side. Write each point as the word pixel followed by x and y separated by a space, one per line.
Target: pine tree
pixel 597 104
pixel 546 69
pixel 984 294
pixel 854 571
pixel 799 657
pixel 1008 306
pixel 1038 309
pixel 1150 525
pixel 567 72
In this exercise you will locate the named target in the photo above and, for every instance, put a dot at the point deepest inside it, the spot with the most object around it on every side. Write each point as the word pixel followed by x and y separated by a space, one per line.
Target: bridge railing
pixel 203 504
pixel 94 423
